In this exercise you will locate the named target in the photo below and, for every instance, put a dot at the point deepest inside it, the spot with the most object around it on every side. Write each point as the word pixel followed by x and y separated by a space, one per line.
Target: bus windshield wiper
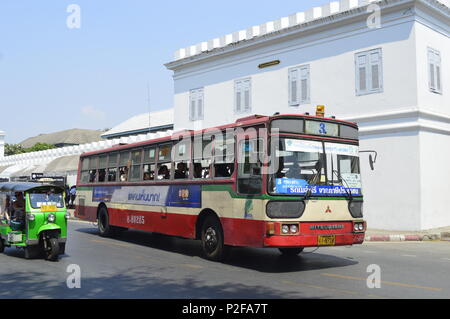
pixel 309 191
pixel 346 188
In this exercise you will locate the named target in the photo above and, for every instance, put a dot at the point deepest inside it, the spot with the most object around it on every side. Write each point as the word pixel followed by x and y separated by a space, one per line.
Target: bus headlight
pixel 30 217
pixel 293 229
pixel 67 215
pixel 51 218
pixel 285 229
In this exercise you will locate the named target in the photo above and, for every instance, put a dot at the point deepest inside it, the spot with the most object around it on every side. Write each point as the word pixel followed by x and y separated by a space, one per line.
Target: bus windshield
pixel 316 167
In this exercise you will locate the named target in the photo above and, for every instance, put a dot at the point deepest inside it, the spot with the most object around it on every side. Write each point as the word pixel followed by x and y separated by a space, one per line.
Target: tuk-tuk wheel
pixel 2 246
pixel 52 251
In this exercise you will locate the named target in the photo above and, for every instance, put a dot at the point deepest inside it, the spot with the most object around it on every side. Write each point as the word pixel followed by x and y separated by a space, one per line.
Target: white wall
pixel 392 190
pixel 332 74
pixel 440 41
pixel 434 180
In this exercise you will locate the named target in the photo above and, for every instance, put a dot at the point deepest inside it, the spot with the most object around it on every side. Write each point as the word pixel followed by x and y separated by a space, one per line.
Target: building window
pixel 434 71
pixel 243 96
pixel 369 72
pixel 299 85
pixel 196 100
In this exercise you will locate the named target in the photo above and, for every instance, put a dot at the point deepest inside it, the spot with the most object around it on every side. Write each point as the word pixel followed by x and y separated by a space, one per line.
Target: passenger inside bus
pixel 163 172
pixel 224 170
pixel 181 171
pixel 123 173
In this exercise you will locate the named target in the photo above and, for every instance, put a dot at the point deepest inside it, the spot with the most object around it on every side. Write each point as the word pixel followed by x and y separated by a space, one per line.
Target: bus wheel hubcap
pixel 210 239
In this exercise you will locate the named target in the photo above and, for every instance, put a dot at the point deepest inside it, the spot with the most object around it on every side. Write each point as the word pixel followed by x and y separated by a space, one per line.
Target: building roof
pixel 142 123
pixel 296 22
pixel 67 137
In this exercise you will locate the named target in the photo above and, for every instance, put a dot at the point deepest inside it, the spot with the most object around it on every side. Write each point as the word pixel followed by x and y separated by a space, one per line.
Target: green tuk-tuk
pixel 35 221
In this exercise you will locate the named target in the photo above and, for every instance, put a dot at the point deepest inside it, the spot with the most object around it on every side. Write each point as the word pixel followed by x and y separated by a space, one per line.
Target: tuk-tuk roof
pixel 25 186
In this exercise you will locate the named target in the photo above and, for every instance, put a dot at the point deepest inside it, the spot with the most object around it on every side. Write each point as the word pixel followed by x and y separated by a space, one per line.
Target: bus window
pixel 112 167
pixel 202 157
pixel 84 178
pixel 102 162
pixel 124 165
pixel 93 169
pixel 112 174
pixel 136 158
pixel 223 158
pixel 164 153
pixel 249 172
pixel 149 172
pixel 164 170
pixel 149 166
pixel 182 157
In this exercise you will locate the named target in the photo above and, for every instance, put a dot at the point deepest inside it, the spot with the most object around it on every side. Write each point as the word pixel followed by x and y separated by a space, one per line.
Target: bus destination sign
pixel 321 128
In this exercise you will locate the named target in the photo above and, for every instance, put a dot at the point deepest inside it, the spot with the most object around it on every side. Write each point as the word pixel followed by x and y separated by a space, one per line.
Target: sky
pixel 53 77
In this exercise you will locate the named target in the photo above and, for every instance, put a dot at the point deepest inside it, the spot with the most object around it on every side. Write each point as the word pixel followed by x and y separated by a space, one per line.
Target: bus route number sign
pixel 321 128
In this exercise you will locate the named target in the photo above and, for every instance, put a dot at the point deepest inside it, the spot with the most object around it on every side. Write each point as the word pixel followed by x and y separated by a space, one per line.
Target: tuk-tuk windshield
pixel 39 198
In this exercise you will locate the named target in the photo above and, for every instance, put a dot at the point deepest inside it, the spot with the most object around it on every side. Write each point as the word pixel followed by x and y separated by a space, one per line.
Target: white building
pixel 390 75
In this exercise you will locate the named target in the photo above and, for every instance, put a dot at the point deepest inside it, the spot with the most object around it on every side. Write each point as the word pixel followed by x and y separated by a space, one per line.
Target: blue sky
pixel 54 78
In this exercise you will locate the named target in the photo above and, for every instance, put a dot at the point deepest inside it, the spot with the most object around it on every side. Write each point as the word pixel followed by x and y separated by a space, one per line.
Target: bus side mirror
pixel 371 162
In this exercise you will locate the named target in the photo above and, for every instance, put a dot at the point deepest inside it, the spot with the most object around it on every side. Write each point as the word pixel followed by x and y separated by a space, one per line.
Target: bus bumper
pixel 313 240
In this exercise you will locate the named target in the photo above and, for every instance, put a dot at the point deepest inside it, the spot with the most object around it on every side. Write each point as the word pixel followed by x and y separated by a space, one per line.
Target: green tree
pixel 39 147
pixel 13 149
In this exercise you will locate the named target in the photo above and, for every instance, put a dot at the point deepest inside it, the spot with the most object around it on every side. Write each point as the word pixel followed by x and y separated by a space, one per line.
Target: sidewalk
pixel 442 233
pixel 390 235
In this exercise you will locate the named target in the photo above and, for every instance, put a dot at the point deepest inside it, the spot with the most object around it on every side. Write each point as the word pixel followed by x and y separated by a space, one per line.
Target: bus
pixel 281 181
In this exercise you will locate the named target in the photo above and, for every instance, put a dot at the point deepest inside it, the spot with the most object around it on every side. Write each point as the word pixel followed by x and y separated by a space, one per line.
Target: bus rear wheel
pixel 290 252
pixel 212 240
pixel 104 227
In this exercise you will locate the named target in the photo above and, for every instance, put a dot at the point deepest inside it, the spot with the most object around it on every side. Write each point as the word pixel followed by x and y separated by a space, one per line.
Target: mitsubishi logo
pixel 328 211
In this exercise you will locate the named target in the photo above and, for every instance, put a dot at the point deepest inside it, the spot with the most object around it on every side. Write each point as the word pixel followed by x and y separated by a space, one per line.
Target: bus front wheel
pixel 213 240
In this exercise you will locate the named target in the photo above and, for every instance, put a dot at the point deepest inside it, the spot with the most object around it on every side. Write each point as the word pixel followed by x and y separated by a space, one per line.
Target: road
pixel 144 265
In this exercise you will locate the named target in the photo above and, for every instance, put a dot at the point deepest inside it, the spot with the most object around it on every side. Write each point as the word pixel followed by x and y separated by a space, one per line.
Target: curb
pixel 399 238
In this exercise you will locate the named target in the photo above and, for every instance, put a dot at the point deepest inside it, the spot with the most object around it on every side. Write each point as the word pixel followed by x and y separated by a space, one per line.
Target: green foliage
pixel 14 149
pixel 39 147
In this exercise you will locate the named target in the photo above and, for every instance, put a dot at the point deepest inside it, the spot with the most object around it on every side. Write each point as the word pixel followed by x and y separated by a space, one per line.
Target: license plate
pixel 326 241
pixel 48 208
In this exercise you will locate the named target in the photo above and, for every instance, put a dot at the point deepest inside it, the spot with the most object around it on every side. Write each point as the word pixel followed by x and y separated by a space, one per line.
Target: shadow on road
pixel 136 283
pixel 258 259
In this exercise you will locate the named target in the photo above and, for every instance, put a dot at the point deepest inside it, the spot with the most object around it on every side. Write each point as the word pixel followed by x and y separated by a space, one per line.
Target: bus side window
pixel 93 169
pixel 124 165
pixel 112 167
pixel 164 166
pixel 250 166
pixel 84 178
pixel 149 166
pixel 136 159
pixel 182 158
pixel 102 163
pixel 224 158
pixel 202 157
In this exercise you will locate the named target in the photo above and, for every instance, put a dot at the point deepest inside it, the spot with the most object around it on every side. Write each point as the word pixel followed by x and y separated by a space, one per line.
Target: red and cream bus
pixel 281 181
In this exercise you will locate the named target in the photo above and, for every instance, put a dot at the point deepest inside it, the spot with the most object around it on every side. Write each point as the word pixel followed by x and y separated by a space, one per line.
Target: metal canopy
pixel 24 187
